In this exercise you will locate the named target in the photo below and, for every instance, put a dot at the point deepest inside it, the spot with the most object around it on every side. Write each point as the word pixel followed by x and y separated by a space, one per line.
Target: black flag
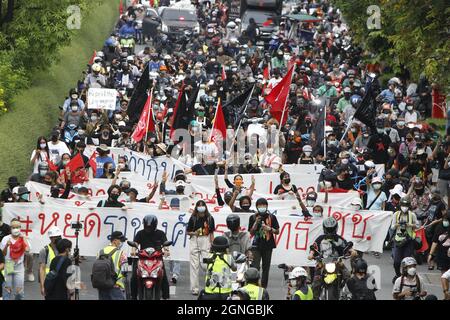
pixel 139 96
pixel 185 112
pixel 366 111
pixel 233 110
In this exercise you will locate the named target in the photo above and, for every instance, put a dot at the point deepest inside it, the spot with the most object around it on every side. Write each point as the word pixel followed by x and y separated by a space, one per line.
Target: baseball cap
pixel 118 235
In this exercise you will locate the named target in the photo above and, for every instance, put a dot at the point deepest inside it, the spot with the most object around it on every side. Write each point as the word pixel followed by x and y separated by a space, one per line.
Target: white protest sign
pixel 98 98
pixel 366 229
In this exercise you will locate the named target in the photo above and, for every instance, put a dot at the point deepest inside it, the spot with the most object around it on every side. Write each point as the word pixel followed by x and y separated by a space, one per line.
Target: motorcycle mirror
pixel 311 247
pixel 282 266
pixel 133 244
pixel 167 243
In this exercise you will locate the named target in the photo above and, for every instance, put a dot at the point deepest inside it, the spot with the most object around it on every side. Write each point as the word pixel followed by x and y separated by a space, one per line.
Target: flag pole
pixel 240 122
pixel 348 127
pixel 324 131
pixel 148 115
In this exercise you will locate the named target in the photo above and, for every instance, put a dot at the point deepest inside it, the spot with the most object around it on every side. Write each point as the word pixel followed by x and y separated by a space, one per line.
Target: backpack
pixel 103 273
pixel 50 278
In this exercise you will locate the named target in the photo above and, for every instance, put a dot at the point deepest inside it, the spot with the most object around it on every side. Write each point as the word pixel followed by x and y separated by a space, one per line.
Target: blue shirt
pixel 388 96
pixel 100 163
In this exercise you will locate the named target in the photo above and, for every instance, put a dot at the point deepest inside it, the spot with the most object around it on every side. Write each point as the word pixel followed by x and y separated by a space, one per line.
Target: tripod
pixel 76 256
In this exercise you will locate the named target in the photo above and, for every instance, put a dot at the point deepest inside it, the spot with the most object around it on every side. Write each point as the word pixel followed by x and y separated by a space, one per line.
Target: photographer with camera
pixel 263 226
pixel 47 254
pixel 403 227
pixel 410 285
pixel 219 266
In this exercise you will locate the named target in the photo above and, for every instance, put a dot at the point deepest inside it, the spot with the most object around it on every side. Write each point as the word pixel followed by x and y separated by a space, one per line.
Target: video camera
pixel 77 225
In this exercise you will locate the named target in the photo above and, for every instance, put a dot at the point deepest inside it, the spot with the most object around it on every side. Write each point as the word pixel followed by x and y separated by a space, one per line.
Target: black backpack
pixel 50 278
pixel 103 274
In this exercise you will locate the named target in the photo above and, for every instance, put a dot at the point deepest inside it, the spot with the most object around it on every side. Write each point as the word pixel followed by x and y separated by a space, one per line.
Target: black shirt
pixel 337 247
pixel 2 260
pixel 264 240
pixel 379 144
pixel 206 224
pixel 359 290
pixel 203 170
pixel 293 152
pixel 281 187
pixel 243 169
pixel 345 184
pixel 6 196
pixel 4 230
pixel 442 238
pixel 110 204
pixel 150 239
pixel 60 290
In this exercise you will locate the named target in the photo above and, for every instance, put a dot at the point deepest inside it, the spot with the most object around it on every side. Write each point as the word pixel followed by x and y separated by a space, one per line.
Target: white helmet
pixel 54 232
pixel 369 164
pixel 100 54
pixel 231 25
pixel 96 67
pixel 298 272
pixel 307 148
pixel 357 202
pixel 237 21
pixel 408 261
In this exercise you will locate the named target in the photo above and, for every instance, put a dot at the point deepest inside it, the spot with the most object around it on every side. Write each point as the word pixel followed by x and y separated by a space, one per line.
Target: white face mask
pixel 43 145
pixel 310 203
pixel 355 207
pixel 344 161
pixel 376 186
pixel 412 271
pixel 409 108
pixel 307 153
pixel 328 184
pixel 201 209
pixel 121 165
pixel 404 209
pixel 15 232
pixel 317 214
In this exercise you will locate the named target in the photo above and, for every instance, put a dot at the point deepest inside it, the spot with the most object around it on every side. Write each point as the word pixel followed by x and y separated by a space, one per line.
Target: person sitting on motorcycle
pixel 73 117
pixel 298 279
pixel 330 245
pixel 73 96
pixel 149 237
pixel 410 285
pixel 253 287
pixel 238 240
pixel 362 286
pixel 219 266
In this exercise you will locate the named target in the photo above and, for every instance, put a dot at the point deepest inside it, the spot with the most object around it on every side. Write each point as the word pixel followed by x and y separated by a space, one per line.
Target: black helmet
pixel 405 202
pixel 150 222
pixel 312 195
pixel 251 275
pixel 233 222
pixel 361 266
pixel 330 225
pixel 228 195
pixel 220 243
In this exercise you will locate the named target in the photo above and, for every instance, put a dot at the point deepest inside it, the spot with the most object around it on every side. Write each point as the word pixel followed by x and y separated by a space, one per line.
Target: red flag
pixel 120 7
pixel 218 124
pixel 266 72
pixel 52 166
pixel 420 233
pixel 93 162
pixel 91 61
pixel 224 74
pixel 267 23
pixel 75 163
pixel 145 123
pixel 278 96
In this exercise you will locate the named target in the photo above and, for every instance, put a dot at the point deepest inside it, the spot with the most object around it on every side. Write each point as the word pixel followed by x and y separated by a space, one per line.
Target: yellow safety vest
pixel 50 256
pixel 409 230
pixel 218 279
pixel 116 261
pixel 255 292
pixel 307 296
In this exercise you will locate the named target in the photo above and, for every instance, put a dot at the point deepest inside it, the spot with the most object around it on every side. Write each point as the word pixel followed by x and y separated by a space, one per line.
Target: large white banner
pixel 366 229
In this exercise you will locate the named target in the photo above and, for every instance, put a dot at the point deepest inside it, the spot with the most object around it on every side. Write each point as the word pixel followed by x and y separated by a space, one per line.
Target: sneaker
pixel 195 292
pixel 174 280
pixel 30 277
pixel 377 255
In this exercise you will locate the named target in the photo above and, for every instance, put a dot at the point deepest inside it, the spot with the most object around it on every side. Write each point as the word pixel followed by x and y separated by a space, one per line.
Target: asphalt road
pixel 383 267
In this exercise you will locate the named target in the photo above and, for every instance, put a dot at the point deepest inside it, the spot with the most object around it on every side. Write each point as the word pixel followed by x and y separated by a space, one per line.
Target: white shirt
pixel 42 158
pixel 410 117
pixel 57 150
pixel 3 245
pixel 408 284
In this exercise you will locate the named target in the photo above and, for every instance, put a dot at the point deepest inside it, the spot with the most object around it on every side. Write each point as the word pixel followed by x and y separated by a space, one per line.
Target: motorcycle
pixel 237 277
pixel 71 134
pixel 331 276
pixel 150 270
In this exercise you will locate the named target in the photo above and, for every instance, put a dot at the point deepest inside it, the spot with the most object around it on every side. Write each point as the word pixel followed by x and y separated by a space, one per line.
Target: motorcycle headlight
pixel 144 274
pixel 197 28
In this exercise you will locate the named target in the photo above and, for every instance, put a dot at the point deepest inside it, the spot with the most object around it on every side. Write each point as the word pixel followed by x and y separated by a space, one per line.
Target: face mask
pixel 15 232
pixel 74 109
pixel 445 223
pixel 355 207
pixel 233 69
pixel 197 72
pixel 412 272
pixel 366 135
pixel 64 162
pixel 307 153
pixel 121 165
pixel 380 131
pixel 404 209
pixel 353 130
pixel 43 145
pixel 328 184
pixel 400 123
pixel 317 214
pixel 344 161
pixel 114 197
pixel 377 186
pixel 419 192
pixel 333 142
pixel 214 94
pixel 42 173
pixel 180 189
pixel 111 171
pixel 245 207
pixel 201 209
pixel 409 108
pixel 287 181
pixel 94 119
pixel 238 183
pixel 262 209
